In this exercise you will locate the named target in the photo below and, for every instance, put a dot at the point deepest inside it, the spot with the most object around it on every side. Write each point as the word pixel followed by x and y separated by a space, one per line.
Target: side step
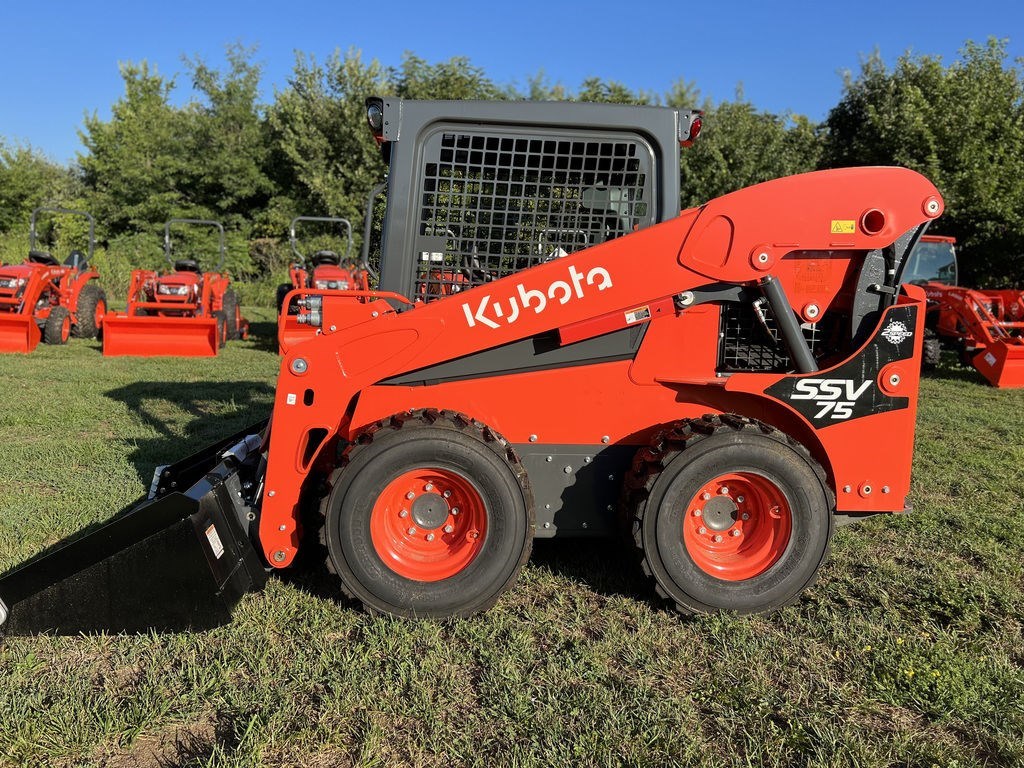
pixel 176 562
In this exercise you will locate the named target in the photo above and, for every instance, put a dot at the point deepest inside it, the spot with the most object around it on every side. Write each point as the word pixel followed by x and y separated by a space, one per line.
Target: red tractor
pixel 44 299
pixel 186 311
pixel 721 385
pixel 326 270
pixel 985 328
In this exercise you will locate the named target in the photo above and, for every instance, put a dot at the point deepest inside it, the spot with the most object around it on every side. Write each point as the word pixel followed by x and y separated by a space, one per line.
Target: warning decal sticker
pixel 843 226
pixel 637 315
pixel 215 543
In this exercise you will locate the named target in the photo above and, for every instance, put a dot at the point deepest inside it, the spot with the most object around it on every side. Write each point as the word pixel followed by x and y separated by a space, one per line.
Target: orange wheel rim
pixel 97 315
pixel 737 526
pixel 65 328
pixel 428 524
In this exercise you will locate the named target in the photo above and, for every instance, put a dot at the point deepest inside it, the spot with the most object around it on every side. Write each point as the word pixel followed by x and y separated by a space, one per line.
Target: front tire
pixel 728 514
pixel 57 329
pixel 430 515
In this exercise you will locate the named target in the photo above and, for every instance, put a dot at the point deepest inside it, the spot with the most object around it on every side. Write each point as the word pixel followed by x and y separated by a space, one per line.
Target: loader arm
pixel 742 240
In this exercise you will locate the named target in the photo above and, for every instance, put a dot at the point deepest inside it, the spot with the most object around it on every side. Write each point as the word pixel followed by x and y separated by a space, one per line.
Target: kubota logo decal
pixel 489 312
pixel 833 397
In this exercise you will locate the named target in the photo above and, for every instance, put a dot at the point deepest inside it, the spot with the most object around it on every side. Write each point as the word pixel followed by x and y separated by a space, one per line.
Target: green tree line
pixel 226 155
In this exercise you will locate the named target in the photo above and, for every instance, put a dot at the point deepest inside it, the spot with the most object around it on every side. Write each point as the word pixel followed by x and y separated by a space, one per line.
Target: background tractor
pixel 703 382
pixel 42 298
pixel 984 327
pixel 325 270
pixel 186 311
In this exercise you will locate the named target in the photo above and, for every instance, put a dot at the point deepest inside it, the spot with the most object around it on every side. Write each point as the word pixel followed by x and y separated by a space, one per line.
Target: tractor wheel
pixel 728 514
pixel 932 350
pixel 222 329
pixel 92 306
pixel 282 291
pixel 230 309
pixel 57 329
pixel 430 514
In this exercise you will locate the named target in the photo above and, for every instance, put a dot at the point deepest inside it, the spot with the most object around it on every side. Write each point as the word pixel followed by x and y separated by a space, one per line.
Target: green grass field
pixel 908 651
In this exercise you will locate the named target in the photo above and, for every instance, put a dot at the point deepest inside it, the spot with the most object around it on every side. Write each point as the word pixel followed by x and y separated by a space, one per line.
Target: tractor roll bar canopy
pixel 64 212
pixel 202 222
pixel 346 228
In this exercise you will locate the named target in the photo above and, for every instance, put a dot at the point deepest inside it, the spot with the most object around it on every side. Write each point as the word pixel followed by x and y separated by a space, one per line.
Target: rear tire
pixel 931 351
pixel 724 468
pixel 282 290
pixel 447 555
pixel 57 329
pixel 230 309
pixel 92 306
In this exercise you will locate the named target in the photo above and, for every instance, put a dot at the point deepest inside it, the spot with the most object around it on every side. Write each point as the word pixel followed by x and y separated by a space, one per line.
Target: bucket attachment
pixel 152 336
pixel 1002 363
pixel 172 562
pixel 18 333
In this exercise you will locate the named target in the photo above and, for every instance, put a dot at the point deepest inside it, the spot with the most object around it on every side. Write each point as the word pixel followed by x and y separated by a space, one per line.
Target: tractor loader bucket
pixel 1002 363
pixel 18 333
pixel 177 560
pixel 151 336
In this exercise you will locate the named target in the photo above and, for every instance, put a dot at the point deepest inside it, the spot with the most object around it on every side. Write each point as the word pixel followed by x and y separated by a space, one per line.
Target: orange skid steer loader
pixel 721 385
pixel 186 312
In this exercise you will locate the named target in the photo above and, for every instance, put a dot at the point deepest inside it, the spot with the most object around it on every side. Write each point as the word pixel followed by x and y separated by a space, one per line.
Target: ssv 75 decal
pixel 834 398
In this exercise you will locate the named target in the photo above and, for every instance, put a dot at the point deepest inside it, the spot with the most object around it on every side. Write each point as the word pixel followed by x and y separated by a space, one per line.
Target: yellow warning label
pixel 843 226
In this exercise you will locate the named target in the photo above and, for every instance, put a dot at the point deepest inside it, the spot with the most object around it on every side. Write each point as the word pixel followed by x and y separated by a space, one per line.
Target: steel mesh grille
pixel 747 344
pixel 492 204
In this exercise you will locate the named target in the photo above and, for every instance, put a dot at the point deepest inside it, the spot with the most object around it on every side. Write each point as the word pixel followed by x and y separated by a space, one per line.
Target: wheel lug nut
pixel 702 530
pixel 430 537
pixel 746 516
pixel 455 510
pixel 718 537
pixel 411 531
pixel 697 513
pixel 724 490
pixel 410 495
pixel 705 495
pixel 447 494
pixel 448 529
pixel 739 499
pixel 404 513
pixel 428 487
pixel 735 531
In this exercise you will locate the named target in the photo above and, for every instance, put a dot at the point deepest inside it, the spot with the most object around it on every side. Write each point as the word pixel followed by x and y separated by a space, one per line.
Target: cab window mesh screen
pixel 492 204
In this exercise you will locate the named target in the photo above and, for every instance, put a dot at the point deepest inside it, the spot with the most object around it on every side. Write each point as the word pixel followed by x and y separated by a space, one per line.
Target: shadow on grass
pixel 955 372
pixel 217 409
pixel 601 564
pixel 263 336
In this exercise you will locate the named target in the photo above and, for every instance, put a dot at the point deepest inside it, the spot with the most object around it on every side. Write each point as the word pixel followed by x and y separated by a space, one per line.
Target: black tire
pixel 57 328
pixel 428 441
pixel 282 291
pixel 662 493
pixel 90 297
pixel 230 309
pixel 931 352
pixel 222 329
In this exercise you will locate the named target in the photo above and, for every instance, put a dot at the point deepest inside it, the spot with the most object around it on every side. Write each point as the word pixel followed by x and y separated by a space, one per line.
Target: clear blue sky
pixel 58 60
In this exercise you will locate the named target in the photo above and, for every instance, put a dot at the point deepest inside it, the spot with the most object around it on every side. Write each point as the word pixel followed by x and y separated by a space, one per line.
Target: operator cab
pixel 42 257
pixel 325 258
pixel 187 265
pixel 933 260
